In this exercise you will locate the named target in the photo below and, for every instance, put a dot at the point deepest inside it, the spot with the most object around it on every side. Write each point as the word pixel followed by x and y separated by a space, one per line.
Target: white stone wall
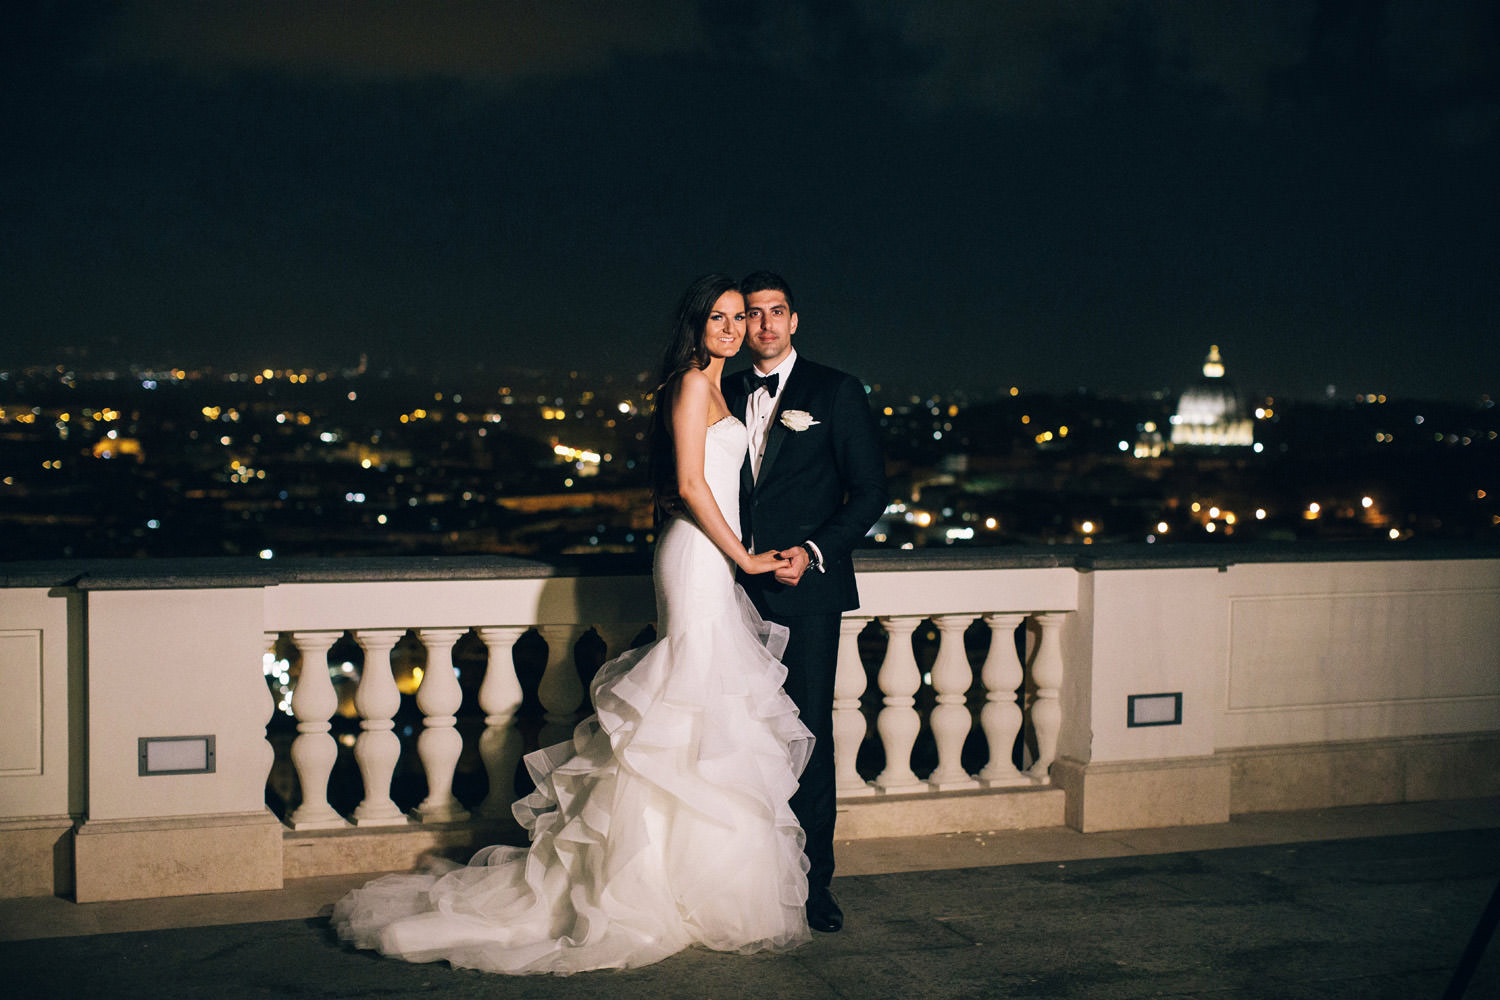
pixel 38 740
pixel 1319 652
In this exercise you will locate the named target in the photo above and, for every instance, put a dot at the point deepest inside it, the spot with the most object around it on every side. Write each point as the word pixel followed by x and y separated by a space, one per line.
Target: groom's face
pixel 770 324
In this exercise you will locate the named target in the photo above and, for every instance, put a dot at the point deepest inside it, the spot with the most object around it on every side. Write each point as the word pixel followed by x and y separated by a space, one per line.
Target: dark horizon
pixel 1022 195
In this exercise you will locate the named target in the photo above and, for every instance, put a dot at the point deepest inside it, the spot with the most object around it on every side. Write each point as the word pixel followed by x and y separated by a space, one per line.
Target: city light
pixel 570 454
pixel 271 479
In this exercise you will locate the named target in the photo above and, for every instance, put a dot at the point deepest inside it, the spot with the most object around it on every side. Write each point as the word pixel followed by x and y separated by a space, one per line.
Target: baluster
pixel 313 751
pixel 1046 710
pixel 617 636
pixel 951 679
pixel 268 704
pixel 898 723
pixel 377 749
pixel 560 690
pixel 848 722
pixel 439 746
pixel 1001 716
pixel 499 697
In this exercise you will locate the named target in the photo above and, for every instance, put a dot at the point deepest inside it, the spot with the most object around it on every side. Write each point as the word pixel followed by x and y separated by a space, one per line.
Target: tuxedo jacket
pixel 825 484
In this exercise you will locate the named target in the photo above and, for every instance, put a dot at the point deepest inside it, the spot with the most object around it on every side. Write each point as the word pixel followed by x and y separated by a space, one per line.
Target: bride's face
pixel 725 330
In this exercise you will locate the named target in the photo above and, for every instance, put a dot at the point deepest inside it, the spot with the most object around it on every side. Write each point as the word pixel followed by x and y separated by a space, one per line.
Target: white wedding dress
pixel 664 822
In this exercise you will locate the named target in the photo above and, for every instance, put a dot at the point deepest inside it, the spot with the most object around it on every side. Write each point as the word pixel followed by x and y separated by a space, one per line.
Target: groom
pixel 812 485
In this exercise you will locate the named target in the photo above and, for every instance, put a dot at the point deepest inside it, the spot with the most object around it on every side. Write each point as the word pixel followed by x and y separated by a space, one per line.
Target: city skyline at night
pixel 307 463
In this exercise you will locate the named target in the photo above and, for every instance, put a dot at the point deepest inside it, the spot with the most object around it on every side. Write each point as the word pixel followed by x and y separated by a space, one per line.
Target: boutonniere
pixel 797 420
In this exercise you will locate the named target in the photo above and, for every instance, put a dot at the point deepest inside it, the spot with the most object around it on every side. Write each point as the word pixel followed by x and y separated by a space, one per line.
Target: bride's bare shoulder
pixel 694 386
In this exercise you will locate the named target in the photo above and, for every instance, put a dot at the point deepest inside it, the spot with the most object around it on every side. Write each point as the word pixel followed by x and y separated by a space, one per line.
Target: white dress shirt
pixel 760 410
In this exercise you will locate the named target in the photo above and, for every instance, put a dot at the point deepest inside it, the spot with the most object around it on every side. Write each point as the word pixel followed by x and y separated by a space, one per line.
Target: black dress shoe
pixel 823 913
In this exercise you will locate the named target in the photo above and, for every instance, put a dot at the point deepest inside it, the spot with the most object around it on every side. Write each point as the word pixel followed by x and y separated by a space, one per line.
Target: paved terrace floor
pixel 1361 902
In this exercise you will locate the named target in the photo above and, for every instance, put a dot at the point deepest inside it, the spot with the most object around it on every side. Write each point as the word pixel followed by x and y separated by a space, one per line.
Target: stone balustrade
pixel 1125 687
pixel 1002 705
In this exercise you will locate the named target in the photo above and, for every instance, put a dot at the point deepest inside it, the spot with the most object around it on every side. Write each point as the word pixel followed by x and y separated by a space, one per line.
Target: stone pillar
pixel 313 751
pixel 1001 716
pixel 951 678
pixel 378 749
pixel 440 744
pixel 500 697
pixel 1046 710
pixel 898 723
pixel 848 721
pixel 560 690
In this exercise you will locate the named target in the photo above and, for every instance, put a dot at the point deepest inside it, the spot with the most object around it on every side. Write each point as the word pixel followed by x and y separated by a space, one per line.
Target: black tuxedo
pixel 824 484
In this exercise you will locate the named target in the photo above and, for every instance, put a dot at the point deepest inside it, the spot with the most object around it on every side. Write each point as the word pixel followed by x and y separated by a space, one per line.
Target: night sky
pixel 1054 195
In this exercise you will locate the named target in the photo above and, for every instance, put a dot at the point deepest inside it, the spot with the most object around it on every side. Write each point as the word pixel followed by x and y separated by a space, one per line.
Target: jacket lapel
pixel 790 398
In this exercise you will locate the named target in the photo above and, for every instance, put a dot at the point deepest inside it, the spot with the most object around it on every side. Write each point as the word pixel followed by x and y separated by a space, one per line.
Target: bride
pixel 664 823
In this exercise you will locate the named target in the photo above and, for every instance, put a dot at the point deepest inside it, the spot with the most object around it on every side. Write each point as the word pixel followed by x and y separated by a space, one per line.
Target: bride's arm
pixel 690 432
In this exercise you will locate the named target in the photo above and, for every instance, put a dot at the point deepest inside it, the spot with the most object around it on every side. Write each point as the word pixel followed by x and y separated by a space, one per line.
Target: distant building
pixel 1210 412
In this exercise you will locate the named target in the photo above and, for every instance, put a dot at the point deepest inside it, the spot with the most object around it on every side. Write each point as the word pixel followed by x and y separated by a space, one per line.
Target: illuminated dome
pixel 1210 413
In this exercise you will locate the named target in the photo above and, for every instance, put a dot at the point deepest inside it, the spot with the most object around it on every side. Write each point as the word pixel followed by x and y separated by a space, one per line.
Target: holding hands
pixel 764 562
pixel 793 566
pixel 788 564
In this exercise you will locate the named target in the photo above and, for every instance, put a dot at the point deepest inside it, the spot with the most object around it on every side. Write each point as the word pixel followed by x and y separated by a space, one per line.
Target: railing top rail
pixel 168 574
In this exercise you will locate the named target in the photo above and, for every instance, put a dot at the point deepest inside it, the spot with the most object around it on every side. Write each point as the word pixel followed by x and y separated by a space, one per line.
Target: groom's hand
pixel 791 571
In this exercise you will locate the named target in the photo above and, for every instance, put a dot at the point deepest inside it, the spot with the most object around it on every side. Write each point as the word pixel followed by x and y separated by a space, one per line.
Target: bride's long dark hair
pixel 684 351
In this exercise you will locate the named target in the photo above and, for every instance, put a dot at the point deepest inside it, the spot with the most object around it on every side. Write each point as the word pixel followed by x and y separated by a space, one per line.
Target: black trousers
pixel 811 660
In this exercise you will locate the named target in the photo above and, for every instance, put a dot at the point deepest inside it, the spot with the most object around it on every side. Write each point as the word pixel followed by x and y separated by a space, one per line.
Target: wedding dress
pixel 664 822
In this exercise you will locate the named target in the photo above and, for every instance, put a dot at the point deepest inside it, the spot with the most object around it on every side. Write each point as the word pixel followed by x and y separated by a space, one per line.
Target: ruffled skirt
pixel 663 823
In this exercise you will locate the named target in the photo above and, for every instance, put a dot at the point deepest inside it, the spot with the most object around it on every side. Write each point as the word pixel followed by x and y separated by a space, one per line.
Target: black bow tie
pixel 766 382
